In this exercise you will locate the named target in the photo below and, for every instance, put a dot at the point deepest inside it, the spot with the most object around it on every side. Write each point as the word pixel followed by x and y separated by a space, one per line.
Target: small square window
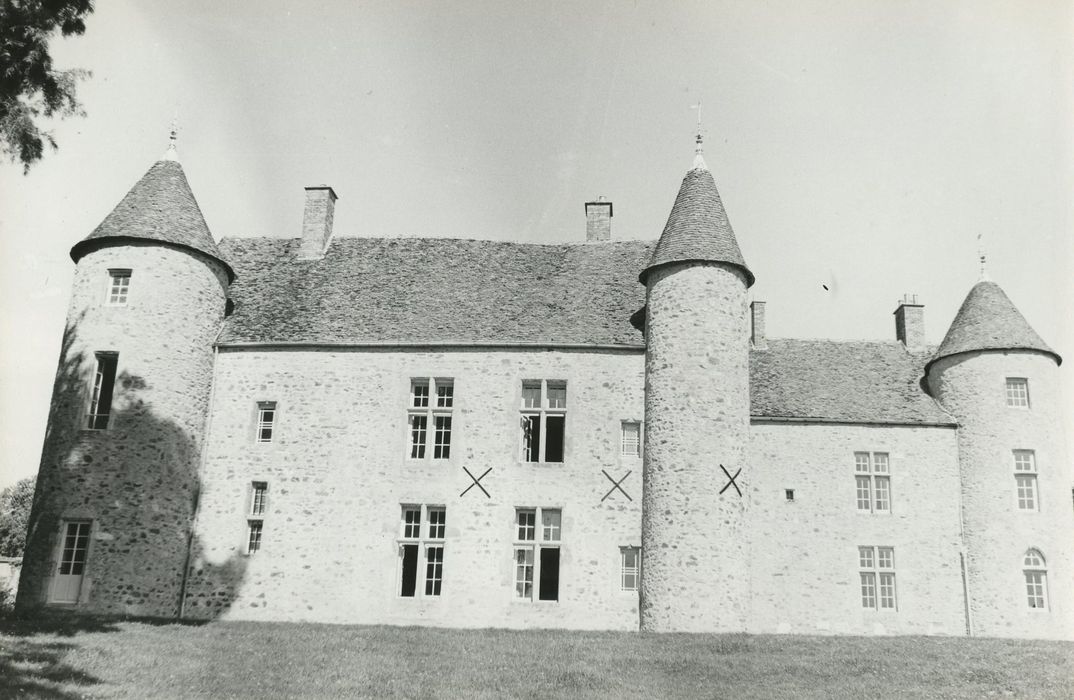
pixel 789 493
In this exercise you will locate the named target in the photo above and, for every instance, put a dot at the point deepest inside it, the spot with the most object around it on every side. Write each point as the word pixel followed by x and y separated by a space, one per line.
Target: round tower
pixel 695 564
pixel 116 490
pixel 1000 380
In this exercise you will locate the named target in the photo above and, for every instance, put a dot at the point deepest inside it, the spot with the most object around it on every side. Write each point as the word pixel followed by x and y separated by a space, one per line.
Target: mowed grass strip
pixel 268 660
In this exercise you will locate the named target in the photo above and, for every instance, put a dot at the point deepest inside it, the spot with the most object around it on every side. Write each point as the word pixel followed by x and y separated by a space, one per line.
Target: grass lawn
pixel 263 660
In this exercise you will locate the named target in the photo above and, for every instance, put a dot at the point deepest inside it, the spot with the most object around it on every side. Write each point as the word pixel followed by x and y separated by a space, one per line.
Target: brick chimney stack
pixel 598 220
pixel 757 332
pixel 910 322
pixel 317 222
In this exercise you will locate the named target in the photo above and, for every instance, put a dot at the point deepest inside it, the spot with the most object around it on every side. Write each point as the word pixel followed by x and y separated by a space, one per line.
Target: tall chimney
pixel 757 334
pixel 910 322
pixel 598 220
pixel 317 222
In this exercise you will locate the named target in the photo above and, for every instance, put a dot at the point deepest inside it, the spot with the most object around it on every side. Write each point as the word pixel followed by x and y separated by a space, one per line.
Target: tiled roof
pixel 160 207
pixel 988 320
pixel 443 291
pixel 698 228
pixel 407 290
pixel 848 381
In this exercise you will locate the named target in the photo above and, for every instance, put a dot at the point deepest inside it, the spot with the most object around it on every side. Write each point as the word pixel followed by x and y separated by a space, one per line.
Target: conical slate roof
pixel 160 207
pixel 988 320
pixel 698 228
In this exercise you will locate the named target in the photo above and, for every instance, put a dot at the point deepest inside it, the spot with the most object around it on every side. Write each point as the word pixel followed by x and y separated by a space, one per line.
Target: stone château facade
pixel 474 433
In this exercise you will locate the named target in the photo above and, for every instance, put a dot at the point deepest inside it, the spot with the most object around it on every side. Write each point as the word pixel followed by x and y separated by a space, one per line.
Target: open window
pixel 104 383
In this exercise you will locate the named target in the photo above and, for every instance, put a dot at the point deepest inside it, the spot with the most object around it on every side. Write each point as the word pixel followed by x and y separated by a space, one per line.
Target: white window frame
pixel 256 511
pixel 429 534
pixel 876 572
pixel 629 573
pixel 872 482
pixel 1017 392
pixel 272 411
pixel 630 446
pixel 1026 493
pixel 545 408
pixel 119 284
pixel 1035 571
pixel 255 533
pixel 545 536
pixel 431 408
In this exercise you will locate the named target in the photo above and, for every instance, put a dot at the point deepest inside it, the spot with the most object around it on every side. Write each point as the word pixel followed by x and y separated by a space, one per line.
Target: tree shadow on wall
pixel 137 483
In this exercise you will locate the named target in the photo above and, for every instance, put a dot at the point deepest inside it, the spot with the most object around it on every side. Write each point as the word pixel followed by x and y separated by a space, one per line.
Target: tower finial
pixel 171 153
pixel 699 159
pixel 982 257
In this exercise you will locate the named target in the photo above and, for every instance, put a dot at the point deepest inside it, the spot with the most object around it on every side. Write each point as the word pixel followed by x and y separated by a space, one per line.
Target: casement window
pixel 1036 574
pixel 431 404
pixel 119 283
pixel 421 550
pixel 255 516
pixel 544 419
pixel 536 547
pixel 67 578
pixel 877 572
pixel 1025 479
pixel 872 478
pixel 1018 392
pixel 104 382
pixel 266 420
pixel 630 568
pixel 630 442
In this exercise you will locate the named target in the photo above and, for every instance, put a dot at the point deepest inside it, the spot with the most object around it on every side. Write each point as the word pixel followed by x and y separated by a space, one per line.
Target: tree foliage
pixel 30 88
pixel 15 502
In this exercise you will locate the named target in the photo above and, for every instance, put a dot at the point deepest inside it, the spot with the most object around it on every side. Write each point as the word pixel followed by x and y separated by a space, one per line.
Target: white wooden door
pixel 67 581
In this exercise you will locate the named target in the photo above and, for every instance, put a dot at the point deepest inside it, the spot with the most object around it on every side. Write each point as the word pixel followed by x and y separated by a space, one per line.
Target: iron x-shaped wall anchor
pixel 731 480
pixel 477 482
pixel 616 485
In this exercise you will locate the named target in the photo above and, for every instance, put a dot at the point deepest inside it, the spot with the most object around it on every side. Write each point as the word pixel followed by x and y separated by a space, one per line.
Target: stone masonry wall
pixel 136 481
pixel 804 574
pixel 338 472
pixel 973 387
pixel 697 408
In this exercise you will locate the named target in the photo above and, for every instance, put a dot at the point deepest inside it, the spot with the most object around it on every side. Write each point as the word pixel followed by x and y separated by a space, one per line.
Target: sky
pixel 869 147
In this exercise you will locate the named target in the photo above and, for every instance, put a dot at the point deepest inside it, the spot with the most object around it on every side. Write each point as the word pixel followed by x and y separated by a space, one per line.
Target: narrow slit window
pixel 104 382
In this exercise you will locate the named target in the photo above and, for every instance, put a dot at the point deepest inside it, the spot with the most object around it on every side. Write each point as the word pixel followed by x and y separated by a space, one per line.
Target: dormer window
pixel 119 282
